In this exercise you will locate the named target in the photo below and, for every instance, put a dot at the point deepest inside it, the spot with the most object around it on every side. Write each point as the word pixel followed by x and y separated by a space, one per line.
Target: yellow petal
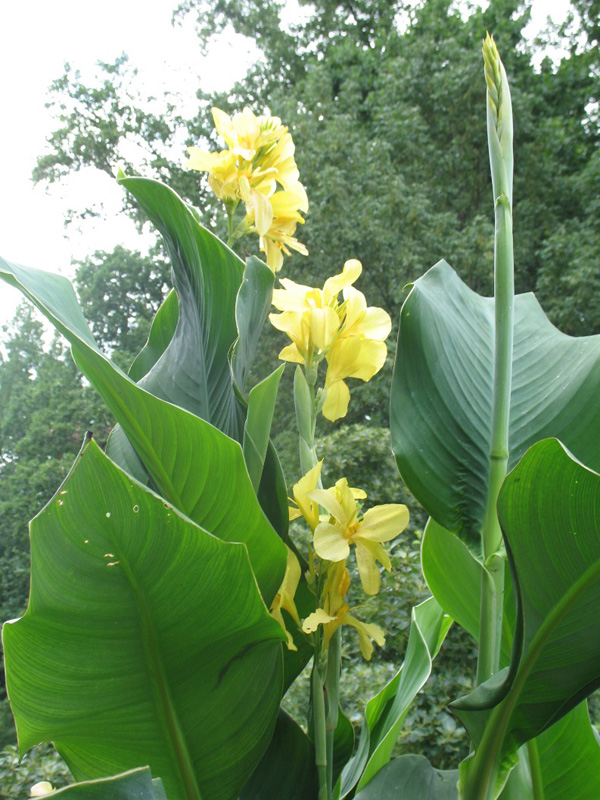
pixel 383 523
pixel 366 632
pixel 367 569
pixel 337 398
pixel 302 492
pixel 223 124
pixel 333 286
pixel 318 617
pixel 291 354
pixel 328 499
pixel 329 542
pixel 372 322
pixel 354 358
pixel 324 323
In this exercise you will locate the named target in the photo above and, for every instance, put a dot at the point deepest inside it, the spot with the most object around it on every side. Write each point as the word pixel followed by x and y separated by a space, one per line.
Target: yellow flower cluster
pixel 350 335
pixel 333 533
pixel 257 168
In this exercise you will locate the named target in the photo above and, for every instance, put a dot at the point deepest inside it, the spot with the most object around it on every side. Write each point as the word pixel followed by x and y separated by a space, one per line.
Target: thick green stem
pixel 499 124
pixel 332 689
pixel 319 728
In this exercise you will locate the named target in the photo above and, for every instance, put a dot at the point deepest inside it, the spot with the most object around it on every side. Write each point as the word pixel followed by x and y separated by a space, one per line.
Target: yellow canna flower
pixel 306 507
pixel 311 317
pixel 358 352
pixel 331 622
pixel 284 599
pixel 332 538
pixel 259 169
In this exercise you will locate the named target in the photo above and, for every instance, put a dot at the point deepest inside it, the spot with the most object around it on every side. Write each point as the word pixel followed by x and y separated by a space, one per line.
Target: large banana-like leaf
pixel 137 784
pixel 549 508
pixel 194 371
pixel 145 641
pixel 193 464
pixel 287 769
pixel 442 394
pixel 411 777
pixel 444 557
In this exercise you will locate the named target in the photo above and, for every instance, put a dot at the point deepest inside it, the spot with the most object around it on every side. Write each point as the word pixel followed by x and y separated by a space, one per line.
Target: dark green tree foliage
pixel 120 293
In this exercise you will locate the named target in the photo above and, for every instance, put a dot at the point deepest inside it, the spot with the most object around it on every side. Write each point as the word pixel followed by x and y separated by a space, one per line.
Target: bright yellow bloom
pixel 311 317
pixel 366 631
pixel 306 507
pixel 332 538
pixel 284 599
pixel 349 334
pixel 259 169
pixel 336 613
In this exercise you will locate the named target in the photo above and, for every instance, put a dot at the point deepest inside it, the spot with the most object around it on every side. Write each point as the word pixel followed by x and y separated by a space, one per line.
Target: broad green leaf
pixel 192 464
pixel 194 371
pixel 257 429
pixel 287 769
pixel 548 508
pixel 134 785
pixel 385 713
pixel 411 777
pixel 454 577
pixel 251 310
pixel 161 334
pixel 442 394
pixel 145 641
pixel 569 757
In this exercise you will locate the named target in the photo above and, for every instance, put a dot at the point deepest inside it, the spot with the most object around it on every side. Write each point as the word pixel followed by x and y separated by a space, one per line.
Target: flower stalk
pixel 499 128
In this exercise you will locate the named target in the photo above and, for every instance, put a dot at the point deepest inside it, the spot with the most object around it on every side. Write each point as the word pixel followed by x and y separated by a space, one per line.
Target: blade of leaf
pixel 444 557
pixel 161 334
pixel 137 784
pixel 548 507
pixel 257 428
pixel 288 767
pixel 193 464
pixel 385 713
pixel 411 777
pixel 442 394
pixel 251 310
pixel 193 371
pixel 138 646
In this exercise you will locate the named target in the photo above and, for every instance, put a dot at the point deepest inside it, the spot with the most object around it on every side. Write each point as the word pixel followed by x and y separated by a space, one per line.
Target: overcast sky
pixel 38 37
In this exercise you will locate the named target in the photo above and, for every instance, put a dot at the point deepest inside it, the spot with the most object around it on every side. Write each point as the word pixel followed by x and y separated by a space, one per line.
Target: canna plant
pixel 170 605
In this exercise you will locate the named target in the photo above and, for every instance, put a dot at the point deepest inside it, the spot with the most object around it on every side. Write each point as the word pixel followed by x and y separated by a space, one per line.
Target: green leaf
pixel 411 777
pixel 192 464
pixel 548 508
pixel 569 756
pixel 442 394
pixel 194 372
pixel 251 310
pixel 145 641
pixel 385 713
pixel 161 334
pixel 454 577
pixel 137 784
pixel 257 429
pixel 287 768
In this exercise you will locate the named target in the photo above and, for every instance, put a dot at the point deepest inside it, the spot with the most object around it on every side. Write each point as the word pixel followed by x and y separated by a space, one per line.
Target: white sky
pixel 36 39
